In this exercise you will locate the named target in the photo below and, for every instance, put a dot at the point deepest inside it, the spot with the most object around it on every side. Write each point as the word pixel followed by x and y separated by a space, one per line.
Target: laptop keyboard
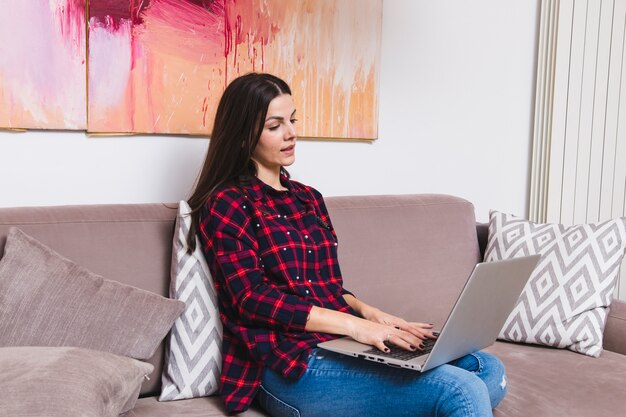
pixel 401 354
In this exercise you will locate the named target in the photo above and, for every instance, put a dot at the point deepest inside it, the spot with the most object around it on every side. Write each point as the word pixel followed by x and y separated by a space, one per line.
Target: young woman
pixel 272 251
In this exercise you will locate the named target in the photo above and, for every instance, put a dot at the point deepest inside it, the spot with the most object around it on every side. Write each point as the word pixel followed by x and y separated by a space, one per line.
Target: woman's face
pixel 276 146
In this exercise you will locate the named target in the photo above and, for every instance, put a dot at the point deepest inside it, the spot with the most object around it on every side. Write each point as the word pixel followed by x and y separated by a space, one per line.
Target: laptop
pixel 474 323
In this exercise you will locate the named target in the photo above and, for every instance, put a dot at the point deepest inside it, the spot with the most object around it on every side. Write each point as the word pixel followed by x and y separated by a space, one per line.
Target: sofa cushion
pixel 67 381
pixel 408 255
pixel 548 382
pixel 193 356
pixel 565 302
pixel 195 407
pixel 47 300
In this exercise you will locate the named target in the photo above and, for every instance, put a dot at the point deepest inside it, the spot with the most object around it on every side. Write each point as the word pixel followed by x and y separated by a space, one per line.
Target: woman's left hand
pixel 421 330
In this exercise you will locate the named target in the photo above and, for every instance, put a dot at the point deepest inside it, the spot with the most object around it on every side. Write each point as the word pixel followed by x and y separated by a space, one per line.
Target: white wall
pixel 456 102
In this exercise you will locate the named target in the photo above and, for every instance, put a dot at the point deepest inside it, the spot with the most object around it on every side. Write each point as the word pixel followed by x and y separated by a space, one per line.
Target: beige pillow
pixel 47 300
pixel 67 381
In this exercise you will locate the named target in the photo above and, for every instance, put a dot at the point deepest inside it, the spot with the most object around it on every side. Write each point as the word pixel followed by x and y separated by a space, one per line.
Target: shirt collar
pixel 257 189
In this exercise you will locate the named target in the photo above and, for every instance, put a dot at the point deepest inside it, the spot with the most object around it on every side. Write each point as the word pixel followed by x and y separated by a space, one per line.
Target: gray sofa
pixel 407 254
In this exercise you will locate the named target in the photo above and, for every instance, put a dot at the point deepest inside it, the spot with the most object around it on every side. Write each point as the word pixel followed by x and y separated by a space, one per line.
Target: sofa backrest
pixel 409 255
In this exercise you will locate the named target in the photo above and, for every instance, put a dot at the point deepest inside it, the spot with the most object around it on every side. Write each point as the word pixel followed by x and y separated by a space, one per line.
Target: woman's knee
pixel 493 373
pixel 462 393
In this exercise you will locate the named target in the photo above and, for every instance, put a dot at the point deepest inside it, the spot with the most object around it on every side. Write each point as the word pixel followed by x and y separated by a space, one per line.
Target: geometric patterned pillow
pixel 193 357
pixel 565 302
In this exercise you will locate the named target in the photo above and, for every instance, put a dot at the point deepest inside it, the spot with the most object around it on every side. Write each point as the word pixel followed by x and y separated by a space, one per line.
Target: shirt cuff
pixel 299 316
pixel 346 292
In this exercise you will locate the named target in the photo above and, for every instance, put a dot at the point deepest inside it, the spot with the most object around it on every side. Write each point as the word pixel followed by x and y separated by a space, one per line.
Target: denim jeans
pixel 337 385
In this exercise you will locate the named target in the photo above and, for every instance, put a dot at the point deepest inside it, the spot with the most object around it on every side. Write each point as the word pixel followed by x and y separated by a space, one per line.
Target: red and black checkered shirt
pixel 273 255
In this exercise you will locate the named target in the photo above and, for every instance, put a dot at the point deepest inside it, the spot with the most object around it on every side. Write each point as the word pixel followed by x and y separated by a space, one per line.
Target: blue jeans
pixel 343 386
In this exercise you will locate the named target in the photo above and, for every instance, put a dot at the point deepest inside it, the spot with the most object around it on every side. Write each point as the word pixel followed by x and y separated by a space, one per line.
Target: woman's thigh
pixel 338 385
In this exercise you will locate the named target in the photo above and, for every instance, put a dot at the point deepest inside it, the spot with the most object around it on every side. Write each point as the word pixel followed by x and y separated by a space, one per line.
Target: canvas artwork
pixel 42 64
pixel 160 66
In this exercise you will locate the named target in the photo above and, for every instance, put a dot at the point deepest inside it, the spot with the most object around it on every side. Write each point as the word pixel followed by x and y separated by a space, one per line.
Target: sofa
pixel 407 254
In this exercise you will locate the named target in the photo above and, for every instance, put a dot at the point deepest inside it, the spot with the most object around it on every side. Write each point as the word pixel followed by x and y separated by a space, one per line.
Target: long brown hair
pixel 239 122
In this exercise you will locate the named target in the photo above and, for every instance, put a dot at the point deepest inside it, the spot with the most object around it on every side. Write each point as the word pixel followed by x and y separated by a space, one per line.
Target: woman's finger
pixel 420 329
pixel 380 343
pixel 423 325
pixel 407 342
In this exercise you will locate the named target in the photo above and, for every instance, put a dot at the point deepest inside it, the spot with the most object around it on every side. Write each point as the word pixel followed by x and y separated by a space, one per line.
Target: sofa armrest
pixel 615 330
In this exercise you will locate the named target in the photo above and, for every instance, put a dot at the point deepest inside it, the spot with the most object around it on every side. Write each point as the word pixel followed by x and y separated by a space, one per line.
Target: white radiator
pixel 579 149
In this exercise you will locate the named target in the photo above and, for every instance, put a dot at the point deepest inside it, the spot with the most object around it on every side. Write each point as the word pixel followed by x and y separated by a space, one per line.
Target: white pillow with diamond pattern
pixel 565 302
pixel 193 358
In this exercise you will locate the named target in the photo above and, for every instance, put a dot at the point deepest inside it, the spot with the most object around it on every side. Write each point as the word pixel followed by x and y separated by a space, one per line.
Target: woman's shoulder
pixel 227 191
pixel 225 208
pixel 225 198
pixel 307 189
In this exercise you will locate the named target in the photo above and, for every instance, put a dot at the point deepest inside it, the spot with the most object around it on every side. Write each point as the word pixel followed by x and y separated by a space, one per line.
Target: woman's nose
pixel 291 130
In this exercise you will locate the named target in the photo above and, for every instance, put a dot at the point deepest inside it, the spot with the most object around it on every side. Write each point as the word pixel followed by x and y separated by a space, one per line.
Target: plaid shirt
pixel 273 255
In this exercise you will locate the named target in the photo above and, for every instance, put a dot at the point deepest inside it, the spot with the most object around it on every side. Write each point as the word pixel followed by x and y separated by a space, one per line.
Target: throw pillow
pixel 193 357
pixel 565 302
pixel 47 300
pixel 68 381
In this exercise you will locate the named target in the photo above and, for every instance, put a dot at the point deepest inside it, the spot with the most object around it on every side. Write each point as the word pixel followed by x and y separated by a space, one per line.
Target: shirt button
pixel 284 248
pixel 288 233
pixel 307 291
pixel 306 236
pixel 310 281
pixel 297 277
pixel 244 206
pixel 278 216
pixel 258 225
pixel 336 243
pixel 309 251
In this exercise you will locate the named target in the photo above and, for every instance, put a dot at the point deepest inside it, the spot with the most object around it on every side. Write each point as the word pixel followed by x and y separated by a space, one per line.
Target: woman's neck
pixel 270 177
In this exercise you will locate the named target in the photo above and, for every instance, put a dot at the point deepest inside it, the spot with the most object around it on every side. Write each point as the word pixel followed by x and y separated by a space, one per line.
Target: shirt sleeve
pixel 232 241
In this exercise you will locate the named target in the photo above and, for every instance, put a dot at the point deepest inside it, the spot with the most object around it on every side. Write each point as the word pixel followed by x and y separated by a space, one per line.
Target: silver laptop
pixel 474 323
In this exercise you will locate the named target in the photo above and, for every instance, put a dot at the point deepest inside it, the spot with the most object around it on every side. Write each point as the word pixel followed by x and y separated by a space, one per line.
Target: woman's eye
pixel 293 121
pixel 273 127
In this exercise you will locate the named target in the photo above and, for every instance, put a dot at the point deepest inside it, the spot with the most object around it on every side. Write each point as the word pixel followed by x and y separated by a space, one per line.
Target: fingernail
pixel 412 347
pixel 386 350
pixel 397 327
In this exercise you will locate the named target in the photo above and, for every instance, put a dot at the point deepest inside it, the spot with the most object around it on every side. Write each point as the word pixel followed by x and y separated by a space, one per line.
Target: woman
pixel 271 248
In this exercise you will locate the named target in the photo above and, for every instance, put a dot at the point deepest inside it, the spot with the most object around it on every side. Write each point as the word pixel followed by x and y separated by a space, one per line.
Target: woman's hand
pixel 365 331
pixel 377 334
pixel 422 331
pixel 375 328
pixel 400 326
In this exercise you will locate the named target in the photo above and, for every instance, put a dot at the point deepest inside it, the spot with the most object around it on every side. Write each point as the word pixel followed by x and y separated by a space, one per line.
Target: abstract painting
pixel 42 64
pixel 160 66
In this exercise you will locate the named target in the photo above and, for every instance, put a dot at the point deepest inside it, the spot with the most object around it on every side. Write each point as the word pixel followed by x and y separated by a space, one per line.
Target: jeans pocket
pixel 274 406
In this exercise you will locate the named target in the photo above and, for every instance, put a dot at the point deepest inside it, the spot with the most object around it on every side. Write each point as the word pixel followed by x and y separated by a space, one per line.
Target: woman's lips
pixel 288 149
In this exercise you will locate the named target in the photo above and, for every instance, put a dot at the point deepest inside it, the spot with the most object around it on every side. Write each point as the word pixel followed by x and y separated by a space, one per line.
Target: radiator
pixel 578 172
